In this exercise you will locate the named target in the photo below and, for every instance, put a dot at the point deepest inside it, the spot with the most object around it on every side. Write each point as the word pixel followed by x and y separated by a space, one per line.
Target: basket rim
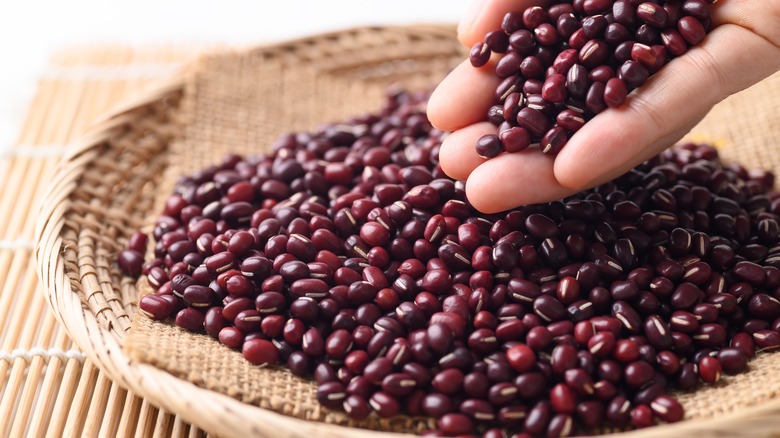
pixel 105 348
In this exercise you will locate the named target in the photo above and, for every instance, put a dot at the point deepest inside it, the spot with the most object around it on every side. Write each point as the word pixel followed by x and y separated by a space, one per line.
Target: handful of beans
pixel 562 65
pixel 348 256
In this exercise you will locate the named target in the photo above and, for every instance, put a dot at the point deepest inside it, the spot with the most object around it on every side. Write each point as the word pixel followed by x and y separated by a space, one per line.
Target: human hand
pixel 742 49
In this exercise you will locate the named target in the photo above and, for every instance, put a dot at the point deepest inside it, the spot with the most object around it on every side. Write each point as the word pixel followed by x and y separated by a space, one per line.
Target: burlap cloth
pixel 239 103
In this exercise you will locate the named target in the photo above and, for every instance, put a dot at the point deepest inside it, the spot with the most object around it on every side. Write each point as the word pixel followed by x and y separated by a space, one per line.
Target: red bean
pixel 691 29
pixel 667 409
pixel 489 146
pixel 410 300
pixel 455 424
pixel 615 92
pixel 479 55
pixel 642 416
pixel 260 352
pixel 562 399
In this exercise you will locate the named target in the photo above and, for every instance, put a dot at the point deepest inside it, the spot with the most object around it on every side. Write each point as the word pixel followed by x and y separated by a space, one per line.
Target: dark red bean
pixel 231 337
pixel 448 381
pixel 214 322
pixel 502 393
pixel 338 344
pixel 691 29
pixel 601 344
pixel 579 381
pixel 765 339
pixel 674 42
pixel 562 399
pixel 642 416
pixel 312 343
pixel 615 92
pixel 356 407
pixel 553 140
pixel 699 9
pixel 626 350
pixel 534 121
pixel 554 88
pixel 436 405
pixel 548 308
pixel 638 374
pixel 594 100
pixel 652 14
pixel 521 358
pixel 155 307
pixel 710 335
pixel 658 332
pixel 515 139
pixel 190 319
pixel 479 55
pixel 398 384
pixel 569 120
pixel 538 418
pixel 489 146
pixel 482 341
pixel 618 411
pixel 685 296
pixel 299 363
pixel 744 342
pixel 668 362
pixel 535 16
pixel 497 41
pixel 732 360
pixel 632 73
pixel 331 394
pixel 131 261
pixel 260 352
pixel 563 358
pixel 667 409
pixel 591 413
pixel 593 53
pixel 604 390
pixel 479 410
pixel 627 316
pixel 157 277
pixel 750 272
pixel 455 424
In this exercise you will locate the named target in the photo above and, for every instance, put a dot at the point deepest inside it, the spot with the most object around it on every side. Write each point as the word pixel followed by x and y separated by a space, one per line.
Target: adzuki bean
pixel 380 280
pixel 561 70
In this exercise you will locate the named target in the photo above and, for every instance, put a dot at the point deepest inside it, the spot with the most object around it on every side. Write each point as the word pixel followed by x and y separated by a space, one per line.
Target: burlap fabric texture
pixel 239 103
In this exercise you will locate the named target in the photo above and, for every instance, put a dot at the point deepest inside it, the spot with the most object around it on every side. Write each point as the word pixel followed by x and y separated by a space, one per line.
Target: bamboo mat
pixel 47 387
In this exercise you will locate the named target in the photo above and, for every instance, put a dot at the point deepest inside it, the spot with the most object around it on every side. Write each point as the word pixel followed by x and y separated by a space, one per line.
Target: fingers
pixel 510 180
pixel 457 155
pixel 664 109
pixel 503 182
pixel 463 97
pixel 485 16
pixel 760 17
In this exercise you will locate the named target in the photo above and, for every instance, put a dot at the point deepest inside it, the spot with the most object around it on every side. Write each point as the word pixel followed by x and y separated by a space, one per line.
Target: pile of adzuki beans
pixel 563 64
pixel 348 255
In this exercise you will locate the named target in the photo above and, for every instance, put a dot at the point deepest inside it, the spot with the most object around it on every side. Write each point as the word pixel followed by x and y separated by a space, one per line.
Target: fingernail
pixel 470 16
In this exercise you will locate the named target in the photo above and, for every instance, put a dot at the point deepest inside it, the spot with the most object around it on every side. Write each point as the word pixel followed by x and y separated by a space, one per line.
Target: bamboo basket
pixel 116 180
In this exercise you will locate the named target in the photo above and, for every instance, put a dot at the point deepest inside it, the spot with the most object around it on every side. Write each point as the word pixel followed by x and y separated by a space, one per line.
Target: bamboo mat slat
pixel 47 386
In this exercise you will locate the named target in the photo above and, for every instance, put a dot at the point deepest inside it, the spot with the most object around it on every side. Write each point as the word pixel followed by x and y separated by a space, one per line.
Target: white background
pixel 30 30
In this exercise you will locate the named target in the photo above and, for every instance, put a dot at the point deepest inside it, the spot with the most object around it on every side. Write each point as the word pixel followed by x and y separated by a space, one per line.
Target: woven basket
pixel 116 180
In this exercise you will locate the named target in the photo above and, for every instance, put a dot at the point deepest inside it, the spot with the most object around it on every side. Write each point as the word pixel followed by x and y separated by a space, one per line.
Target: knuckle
pixel 709 64
pixel 648 110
